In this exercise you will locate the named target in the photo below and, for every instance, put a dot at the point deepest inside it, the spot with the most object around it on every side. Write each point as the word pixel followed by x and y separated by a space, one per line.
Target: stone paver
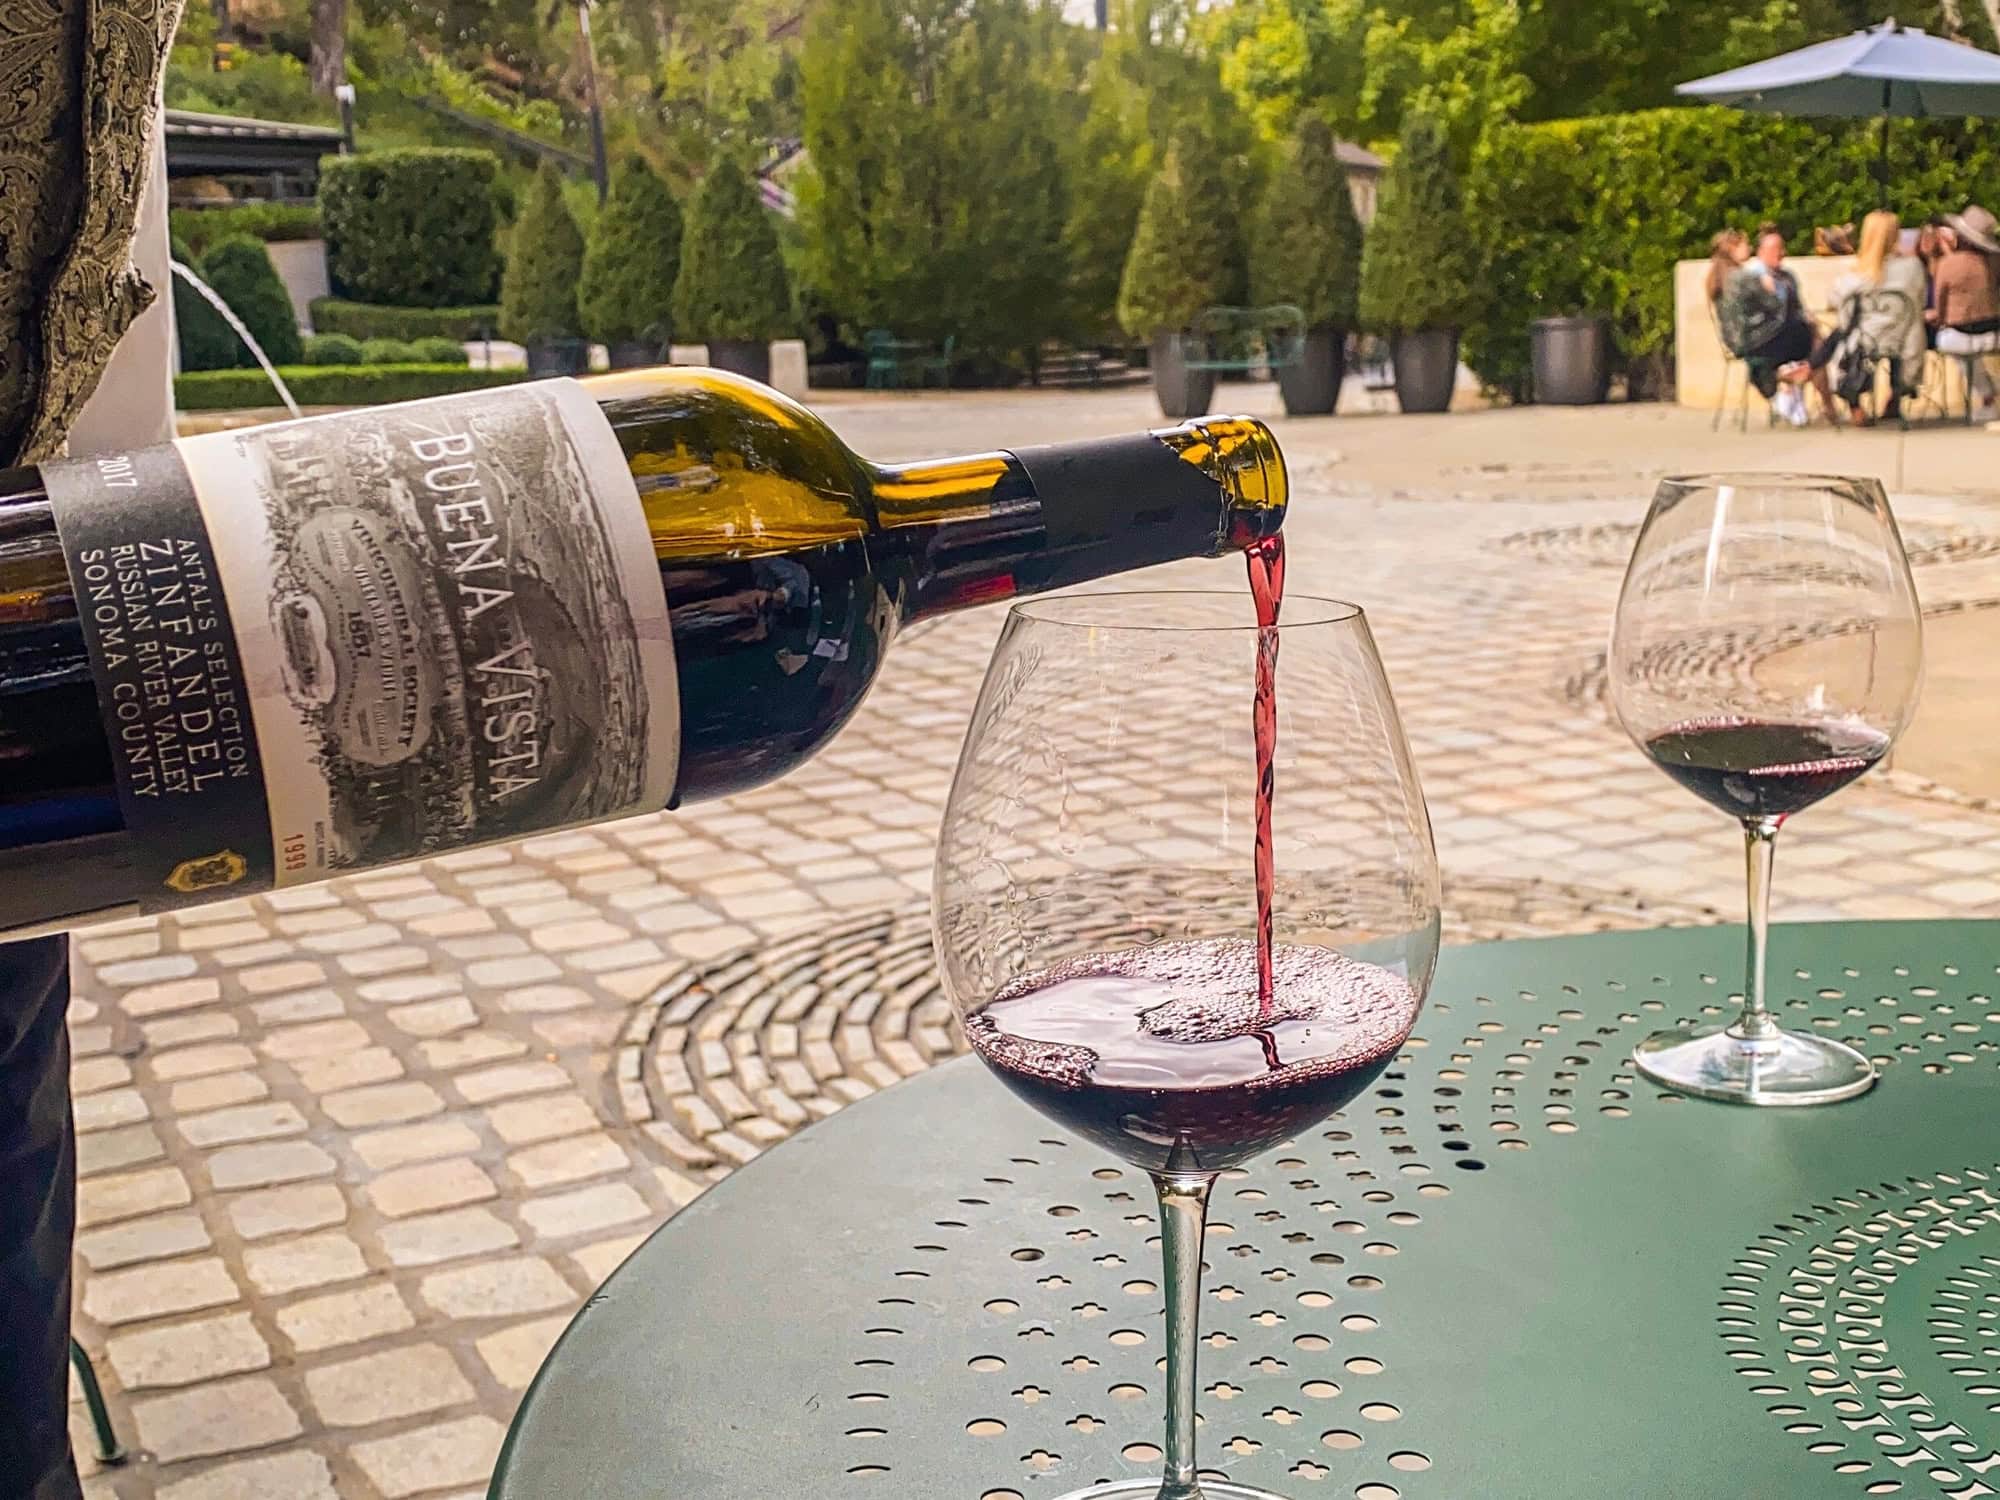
pixel 352 1155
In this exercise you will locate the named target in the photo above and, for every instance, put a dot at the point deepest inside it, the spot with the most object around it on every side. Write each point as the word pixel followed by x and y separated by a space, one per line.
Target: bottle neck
pixel 991 526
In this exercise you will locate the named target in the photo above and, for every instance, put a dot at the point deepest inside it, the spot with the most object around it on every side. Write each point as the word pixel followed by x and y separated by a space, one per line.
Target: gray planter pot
pixel 1182 392
pixel 637 354
pixel 1426 368
pixel 1311 387
pixel 741 357
pixel 551 357
pixel 1571 358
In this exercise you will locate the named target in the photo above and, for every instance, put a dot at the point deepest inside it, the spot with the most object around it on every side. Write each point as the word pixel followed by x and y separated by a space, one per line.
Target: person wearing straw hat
pixel 1966 297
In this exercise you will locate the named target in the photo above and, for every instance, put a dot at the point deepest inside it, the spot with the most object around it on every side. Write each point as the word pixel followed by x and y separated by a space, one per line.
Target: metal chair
pixel 1881 307
pixel 1731 362
pixel 110 1452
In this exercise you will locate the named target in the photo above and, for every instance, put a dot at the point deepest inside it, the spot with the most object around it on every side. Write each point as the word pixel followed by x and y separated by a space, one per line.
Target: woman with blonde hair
pixel 1881 308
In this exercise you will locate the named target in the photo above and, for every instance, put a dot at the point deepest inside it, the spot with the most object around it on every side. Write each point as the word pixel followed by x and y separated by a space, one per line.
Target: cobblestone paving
pixel 352 1156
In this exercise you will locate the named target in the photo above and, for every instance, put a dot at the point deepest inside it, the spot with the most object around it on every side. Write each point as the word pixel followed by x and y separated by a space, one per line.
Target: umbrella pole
pixel 1882 172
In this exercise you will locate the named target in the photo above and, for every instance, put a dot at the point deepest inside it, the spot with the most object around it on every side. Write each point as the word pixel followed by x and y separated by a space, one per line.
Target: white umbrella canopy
pixel 1887 70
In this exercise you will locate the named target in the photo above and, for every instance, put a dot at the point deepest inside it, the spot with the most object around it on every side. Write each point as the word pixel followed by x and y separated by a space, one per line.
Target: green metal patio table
pixel 1512 1270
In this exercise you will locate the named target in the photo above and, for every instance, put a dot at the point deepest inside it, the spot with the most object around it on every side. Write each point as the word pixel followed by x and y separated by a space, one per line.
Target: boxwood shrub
pixel 411 227
pixel 199 228
pixel 362 320
pixel 332 385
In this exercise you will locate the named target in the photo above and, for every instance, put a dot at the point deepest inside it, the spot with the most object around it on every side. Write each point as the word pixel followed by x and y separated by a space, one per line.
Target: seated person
pixel 1728 250
pixel 1881 308
pixel 1764 321
pixel 1966 297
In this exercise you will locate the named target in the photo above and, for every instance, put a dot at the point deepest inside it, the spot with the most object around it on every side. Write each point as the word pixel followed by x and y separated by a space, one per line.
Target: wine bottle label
pixel 346 641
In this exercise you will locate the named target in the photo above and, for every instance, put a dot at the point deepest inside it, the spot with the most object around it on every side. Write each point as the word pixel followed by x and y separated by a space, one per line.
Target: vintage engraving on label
pixel 451 619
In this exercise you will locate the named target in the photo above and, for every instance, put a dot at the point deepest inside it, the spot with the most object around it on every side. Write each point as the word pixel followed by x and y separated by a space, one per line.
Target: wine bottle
pixel 257 658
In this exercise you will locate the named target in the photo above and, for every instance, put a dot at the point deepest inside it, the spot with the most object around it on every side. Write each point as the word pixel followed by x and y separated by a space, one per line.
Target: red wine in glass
pixel 1266 561
pixel 1169 1057
pixel 1765 768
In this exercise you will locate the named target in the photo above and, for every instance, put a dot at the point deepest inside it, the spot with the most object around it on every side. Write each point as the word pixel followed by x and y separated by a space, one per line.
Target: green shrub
pixel 200 228
pixel 363 320
pixel 240 270
pixel 1307 248
pixel 206 341
pixel 436 351
pixel 631 259
pixel 732 284
pixel 1418 267
pixel 544 264
pixel 331 349
pixel 388 352
pixel 412 227
pixel 332 385
pixel 1591 215
pixel 1187 253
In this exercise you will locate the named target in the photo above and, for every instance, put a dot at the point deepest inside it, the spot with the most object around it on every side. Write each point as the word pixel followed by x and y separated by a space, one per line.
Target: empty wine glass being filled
pixel 1137 947
pixel 1767 650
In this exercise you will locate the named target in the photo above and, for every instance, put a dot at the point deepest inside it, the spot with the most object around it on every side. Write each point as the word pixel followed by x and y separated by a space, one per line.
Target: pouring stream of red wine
pixel 1267 588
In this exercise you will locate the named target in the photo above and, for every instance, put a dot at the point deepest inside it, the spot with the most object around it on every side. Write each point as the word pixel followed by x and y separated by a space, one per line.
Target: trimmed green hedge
pixel 200 228
pixel 412 227
pixel 239 271
pixel 330 349
pixel 1590 215
pixel 332 385
pixel 367 320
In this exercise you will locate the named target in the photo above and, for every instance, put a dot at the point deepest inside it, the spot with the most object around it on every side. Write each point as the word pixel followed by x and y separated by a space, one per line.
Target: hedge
pixel 332 385
pixel 367 320
pixel 239 271
pixel 1590 215
pixel 206 341
pixel 200 228
pixel 412 227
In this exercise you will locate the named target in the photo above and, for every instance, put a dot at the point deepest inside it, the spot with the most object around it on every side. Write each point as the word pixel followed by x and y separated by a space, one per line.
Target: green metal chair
pixel 110 1452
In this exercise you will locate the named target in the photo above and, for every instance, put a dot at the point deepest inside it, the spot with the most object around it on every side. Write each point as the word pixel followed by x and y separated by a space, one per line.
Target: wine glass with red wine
pixel 1767 651
pixel 1138 948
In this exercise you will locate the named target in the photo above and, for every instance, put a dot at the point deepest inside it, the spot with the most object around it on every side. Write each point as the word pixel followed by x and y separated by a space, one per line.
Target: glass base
pixel 1788 1068
pixel 1149 1489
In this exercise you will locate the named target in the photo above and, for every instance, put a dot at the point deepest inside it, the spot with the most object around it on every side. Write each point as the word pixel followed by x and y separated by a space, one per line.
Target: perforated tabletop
pixel 1512 1270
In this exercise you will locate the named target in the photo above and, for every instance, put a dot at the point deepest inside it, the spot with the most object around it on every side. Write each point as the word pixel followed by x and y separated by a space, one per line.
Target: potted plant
pixel 1186 256
pixel 1417 269
pixel 631 257
pixel 538 290
pixel 1571 359
pixel 732 292
pixel 1307 252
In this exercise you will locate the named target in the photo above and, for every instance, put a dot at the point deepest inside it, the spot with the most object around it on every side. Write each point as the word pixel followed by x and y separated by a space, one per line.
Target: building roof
pixel 213 145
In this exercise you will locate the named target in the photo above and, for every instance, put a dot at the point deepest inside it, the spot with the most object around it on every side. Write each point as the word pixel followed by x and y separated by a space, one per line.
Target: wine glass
pixel 1767 651
pixel 1097 900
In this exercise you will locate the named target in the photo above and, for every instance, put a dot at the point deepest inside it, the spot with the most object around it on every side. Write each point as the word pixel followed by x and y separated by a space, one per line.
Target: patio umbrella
pixel 1889 70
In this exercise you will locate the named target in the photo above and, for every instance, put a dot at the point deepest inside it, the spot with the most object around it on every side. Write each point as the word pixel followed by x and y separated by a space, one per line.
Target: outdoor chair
pixel 110 1452
pixel 1881 306
pixel 1732 364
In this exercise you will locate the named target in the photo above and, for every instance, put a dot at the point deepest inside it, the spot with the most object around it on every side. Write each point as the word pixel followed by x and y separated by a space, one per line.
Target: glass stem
pixel 1760 838
pixel 1183 1220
